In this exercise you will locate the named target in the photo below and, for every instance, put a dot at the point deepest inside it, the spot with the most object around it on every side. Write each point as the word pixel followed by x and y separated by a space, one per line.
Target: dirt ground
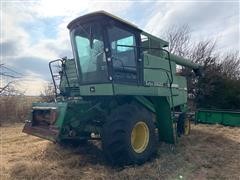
pixel 209 152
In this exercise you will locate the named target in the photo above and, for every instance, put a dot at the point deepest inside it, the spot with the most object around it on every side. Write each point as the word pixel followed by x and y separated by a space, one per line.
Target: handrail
pixel 51 71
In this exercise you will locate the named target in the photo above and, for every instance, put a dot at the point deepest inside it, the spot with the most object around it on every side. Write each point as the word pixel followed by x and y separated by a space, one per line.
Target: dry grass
pixel 16 108
pixel 210 152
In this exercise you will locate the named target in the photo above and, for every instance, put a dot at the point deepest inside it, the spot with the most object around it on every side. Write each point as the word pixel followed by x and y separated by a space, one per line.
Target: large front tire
pixel 129 135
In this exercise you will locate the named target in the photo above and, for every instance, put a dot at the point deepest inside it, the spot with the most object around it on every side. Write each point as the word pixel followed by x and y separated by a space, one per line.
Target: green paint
pixel 145 102
pixel 164 120
pixel 61 110
pixel 230 118
pixel 98 90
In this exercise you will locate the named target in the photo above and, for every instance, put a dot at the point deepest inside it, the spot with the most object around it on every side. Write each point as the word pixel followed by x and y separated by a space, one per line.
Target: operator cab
pixel 104 49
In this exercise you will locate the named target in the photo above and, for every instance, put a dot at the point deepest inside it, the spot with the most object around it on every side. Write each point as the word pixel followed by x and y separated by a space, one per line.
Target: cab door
pixel 124 54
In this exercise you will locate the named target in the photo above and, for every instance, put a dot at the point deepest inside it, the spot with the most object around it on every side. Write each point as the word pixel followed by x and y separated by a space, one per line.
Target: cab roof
pixel 85 17
pixel 100 13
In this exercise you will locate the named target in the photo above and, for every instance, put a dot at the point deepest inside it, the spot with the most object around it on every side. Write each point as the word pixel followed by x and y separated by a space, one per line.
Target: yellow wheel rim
pixel 140 137
pixel 187 127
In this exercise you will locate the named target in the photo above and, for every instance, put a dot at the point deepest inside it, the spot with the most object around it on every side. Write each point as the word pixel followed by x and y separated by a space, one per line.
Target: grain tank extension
pixel 121 88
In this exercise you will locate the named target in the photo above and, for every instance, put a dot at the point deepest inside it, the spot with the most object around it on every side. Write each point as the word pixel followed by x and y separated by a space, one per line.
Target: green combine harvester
pixel 121 88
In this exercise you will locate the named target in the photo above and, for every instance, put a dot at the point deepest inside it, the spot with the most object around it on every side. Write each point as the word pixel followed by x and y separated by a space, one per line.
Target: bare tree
pixel 219 88
pixel 12 106
pixel 9 86
pixel 230 65
pixel 5 87
pixel 48 95
pixel 179 39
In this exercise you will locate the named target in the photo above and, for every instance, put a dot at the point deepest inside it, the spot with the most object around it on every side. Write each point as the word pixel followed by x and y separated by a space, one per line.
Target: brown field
pixel 210 152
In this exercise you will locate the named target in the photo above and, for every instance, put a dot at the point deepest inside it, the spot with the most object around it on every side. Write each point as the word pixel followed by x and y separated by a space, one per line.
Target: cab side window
pixel 123 53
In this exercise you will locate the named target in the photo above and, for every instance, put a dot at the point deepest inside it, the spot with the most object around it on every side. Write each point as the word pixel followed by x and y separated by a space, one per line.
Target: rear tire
pixel 129 135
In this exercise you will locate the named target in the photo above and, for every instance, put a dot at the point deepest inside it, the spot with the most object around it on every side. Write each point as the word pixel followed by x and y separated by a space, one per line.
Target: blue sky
pixel 34 32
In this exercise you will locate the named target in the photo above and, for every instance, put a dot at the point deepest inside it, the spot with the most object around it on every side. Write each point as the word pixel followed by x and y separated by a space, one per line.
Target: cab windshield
pixel 90 55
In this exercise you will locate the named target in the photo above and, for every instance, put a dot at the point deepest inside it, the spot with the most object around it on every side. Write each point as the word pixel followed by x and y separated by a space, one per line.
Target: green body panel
pixel 71 77
pixel 180 93
pixel 77 118
pixel 145 102
pixel 121 89
pixel 230 118
pixel 155 62
pixel 99 90
pixel 164 119
pixel 61 110
pixel 71 72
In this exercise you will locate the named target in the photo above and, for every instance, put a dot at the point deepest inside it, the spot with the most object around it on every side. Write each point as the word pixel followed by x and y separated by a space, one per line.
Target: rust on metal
pixel 51 133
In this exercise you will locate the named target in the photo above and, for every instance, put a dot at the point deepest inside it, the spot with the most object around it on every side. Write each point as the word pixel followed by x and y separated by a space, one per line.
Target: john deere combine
pixel 121 87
